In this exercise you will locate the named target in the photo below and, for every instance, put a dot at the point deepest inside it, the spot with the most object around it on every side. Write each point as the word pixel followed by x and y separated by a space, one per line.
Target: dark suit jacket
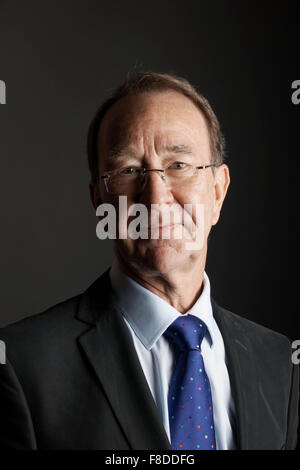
pixel 73 381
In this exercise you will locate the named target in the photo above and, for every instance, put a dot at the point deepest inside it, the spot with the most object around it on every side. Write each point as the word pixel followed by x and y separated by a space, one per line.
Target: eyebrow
pixel 179 148
pixel 120 151
pixel 123 150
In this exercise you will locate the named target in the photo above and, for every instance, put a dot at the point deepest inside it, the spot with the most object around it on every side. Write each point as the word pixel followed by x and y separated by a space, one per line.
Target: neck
pixel 180 287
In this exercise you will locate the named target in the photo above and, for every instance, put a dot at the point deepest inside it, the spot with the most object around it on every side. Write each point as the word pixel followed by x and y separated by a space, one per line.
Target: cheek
pixel 204 199
pixel 209 214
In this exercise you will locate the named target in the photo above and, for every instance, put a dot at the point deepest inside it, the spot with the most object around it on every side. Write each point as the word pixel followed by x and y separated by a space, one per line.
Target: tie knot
pixel 186 332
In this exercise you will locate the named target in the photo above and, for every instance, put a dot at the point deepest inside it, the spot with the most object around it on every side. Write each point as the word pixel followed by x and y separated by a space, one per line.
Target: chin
pixel 161 255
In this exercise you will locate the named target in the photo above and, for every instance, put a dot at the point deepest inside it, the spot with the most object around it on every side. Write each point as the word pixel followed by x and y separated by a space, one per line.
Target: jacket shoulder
pixel 262 338
pixel 42 336
pixel 56 327
pixel 54 315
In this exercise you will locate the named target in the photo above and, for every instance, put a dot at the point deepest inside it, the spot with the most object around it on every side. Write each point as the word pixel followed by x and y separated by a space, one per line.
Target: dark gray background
pixel 61 59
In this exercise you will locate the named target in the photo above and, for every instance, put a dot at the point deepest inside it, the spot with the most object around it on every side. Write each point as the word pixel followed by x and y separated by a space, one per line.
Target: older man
pixel 145 358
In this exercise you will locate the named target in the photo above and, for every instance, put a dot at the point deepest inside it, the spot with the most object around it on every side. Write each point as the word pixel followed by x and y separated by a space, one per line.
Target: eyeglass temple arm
pixel 202 167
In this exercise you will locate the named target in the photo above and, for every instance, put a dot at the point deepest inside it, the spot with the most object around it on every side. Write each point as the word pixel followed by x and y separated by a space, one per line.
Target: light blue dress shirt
pixel 147 316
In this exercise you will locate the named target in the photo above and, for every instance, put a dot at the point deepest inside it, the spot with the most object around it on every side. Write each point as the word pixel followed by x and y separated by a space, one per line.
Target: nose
pixel 155 189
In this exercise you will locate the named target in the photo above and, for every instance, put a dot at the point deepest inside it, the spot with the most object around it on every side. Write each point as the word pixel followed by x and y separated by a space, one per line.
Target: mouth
pixel 159 227
pixel 165 232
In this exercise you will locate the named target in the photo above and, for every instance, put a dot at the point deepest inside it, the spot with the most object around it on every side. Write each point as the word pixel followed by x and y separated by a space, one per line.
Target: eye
pixel 129 170
pixel 178 166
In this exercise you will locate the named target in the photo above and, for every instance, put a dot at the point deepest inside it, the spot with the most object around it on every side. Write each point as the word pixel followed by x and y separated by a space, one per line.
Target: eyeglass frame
pixel 143 171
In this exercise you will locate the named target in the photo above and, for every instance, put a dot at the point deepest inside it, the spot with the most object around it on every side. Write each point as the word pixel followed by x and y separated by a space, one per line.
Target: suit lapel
pixel 243 376
pixel 109 349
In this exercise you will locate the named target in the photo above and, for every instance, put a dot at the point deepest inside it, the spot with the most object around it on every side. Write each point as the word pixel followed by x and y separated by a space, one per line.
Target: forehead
pixel 162 116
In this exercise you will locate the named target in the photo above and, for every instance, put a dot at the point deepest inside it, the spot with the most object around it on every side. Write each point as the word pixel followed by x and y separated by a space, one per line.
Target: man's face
pixel 156 130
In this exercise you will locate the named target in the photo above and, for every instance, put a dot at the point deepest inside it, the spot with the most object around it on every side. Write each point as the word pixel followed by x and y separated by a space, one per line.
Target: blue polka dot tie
pixel 189 398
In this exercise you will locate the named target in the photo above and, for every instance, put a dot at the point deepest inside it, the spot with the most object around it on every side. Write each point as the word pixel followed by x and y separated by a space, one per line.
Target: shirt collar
pixel 148 314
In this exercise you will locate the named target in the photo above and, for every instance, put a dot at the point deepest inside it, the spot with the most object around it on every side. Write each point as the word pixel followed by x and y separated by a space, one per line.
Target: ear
pixel 221 183
pixel 95 194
